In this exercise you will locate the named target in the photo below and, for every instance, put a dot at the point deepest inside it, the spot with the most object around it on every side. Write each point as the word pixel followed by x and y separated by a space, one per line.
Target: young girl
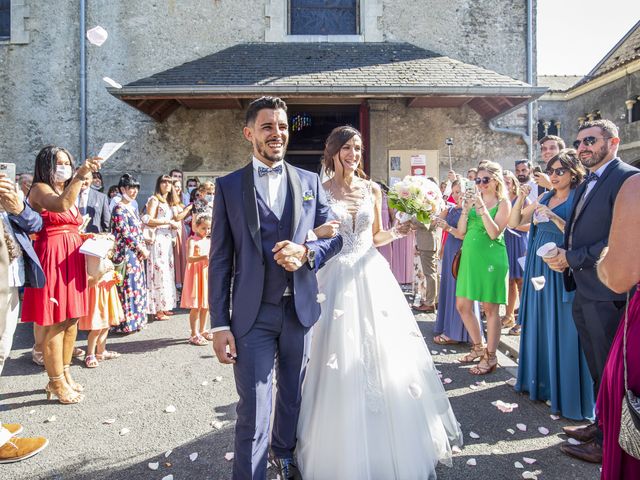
pixel 105 309
pixel 195 291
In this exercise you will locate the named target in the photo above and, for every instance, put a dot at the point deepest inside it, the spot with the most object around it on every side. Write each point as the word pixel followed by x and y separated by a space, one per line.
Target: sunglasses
pixel 484 180
pixel 588 141
pixel 558 171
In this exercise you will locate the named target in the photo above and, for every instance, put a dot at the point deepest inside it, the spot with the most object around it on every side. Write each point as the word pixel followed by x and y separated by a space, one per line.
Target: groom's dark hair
pixel 272 103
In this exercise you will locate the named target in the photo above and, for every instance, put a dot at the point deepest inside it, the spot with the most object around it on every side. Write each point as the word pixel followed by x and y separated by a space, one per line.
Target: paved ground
pixel 159 369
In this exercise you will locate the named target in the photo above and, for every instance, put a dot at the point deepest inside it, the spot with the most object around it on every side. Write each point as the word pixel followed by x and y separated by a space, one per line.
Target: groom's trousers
pixel 277 339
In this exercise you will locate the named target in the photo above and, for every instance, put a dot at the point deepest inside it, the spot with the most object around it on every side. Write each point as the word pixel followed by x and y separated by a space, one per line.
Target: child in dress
pixel 195 290
pixel 105 309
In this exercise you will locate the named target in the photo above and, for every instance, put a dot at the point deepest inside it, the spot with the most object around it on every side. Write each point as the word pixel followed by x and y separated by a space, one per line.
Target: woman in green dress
pixel 484 265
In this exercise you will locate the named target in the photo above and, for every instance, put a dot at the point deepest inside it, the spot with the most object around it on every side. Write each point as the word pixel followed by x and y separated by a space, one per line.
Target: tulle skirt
pixel 373 406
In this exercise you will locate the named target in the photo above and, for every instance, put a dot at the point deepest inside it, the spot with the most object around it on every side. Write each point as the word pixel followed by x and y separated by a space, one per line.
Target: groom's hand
pixel 221 340
pixel 289 255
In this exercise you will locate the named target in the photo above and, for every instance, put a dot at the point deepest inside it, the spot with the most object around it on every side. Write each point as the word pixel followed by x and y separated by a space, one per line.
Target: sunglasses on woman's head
pixel 484 180
pixel 558 171
pixel 588 141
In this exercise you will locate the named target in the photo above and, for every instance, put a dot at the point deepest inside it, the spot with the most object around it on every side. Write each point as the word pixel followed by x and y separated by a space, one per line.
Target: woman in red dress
pixel 57 306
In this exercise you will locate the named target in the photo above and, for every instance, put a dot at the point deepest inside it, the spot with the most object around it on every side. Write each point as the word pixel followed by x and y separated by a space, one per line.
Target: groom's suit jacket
pixel 236 248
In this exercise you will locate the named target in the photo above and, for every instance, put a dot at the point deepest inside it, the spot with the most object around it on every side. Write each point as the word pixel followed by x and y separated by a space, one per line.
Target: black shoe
pixel 287 468
pixel 589 452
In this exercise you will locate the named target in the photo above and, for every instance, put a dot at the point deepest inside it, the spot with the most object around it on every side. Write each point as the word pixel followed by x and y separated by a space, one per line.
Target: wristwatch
pixel 311 257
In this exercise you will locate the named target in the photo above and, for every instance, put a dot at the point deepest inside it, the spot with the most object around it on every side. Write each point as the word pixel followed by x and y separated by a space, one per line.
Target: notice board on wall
pixel 412 162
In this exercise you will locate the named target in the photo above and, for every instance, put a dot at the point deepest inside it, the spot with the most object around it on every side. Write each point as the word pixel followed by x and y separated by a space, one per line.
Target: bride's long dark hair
pixel 336 139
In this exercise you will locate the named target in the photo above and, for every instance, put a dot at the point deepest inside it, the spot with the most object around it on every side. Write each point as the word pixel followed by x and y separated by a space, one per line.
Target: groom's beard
pixel 263 150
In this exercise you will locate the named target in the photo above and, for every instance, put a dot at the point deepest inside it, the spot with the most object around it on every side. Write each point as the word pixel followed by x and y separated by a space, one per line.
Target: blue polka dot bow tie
pixel 591 177
pixel 262 171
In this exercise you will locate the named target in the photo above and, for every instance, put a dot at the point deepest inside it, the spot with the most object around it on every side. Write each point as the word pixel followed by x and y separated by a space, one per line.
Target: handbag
pixel 121 270
pixel 455 264
pixel 629 438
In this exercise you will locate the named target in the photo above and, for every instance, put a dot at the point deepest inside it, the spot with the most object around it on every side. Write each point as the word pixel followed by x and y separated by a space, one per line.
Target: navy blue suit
pixel 24 224
pixel 596 309
pixel 265 323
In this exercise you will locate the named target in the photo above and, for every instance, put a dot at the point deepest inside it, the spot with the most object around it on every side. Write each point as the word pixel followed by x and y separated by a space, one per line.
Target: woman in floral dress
pixel 130 248
pixel 160 265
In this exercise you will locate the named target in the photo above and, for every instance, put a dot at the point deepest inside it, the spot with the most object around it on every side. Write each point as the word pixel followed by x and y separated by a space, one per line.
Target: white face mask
pixel 190 189
pixel 63 173
pixel 208 198
pixel 127 197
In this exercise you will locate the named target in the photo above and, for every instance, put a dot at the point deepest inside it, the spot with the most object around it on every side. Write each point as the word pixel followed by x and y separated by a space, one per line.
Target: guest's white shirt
pixel 16 267
pixel 83 200
pixel 272 187
pixel 598 172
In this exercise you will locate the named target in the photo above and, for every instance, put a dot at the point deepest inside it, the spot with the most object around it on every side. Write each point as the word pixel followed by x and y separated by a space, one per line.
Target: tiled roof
pixel 327 64
pixel 558 83
pixel 627 49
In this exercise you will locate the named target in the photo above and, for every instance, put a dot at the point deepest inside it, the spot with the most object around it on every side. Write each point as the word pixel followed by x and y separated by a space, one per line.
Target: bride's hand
pixel 327 230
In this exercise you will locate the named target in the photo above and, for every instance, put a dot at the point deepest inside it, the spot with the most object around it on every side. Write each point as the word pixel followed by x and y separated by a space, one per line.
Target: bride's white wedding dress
pixel 373 406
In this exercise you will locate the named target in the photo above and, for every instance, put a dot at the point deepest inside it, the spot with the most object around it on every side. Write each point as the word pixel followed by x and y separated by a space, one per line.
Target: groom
pixel 261 217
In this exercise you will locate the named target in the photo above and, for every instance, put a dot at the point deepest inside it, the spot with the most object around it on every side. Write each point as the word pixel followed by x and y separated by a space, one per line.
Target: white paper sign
pixel 109 149
pixel 418 160
pixel 96 247
pixel 112 82
pixel 97 35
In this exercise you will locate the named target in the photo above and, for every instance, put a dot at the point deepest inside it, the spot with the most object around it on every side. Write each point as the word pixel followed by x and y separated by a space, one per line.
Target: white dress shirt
pixel 83 200
pixel 16 267
pixel 272 187
pixel 598 172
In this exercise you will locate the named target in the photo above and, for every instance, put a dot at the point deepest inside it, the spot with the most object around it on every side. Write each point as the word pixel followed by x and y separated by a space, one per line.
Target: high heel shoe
pixel 488 364
pixel 64 395
pixel 74 386
pixel 37 357
pixel 477 351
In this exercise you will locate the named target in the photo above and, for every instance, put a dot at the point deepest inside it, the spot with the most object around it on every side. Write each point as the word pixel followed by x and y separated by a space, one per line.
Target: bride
pixel 373 406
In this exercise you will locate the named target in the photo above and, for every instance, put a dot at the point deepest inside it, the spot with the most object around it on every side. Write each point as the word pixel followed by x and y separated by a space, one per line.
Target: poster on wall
pixel 412 162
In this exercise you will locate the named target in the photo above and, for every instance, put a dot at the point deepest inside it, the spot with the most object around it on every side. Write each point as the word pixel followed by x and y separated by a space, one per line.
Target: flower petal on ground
pixel 528 460
pixel 168 477
pixel 522 427
pixel 52 418
pixel 446 381
pixel 518 465
pixel 573 441
pixel 124 431
pixel 229 456
pixel 474 435
pixel 170 409
pixel 472 462
pixel 511 431
pixel 109 421
pixel 167 453
pixel 217 379
pixel 555 417
pixel 153 465
pixel 204 383
pixel 193 456
pixel 543 430
pixel 415 390
pixel 217 424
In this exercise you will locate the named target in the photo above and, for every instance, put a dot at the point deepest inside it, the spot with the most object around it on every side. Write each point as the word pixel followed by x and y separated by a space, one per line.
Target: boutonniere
pixel 308 195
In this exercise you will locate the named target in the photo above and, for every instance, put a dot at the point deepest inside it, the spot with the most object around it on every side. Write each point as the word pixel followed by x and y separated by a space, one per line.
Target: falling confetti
pixel 321 297
pixel 538 282
pixel 97 36
pixel 124 431
pixel 112 82
pixel 53 300
pixel 109 421
pixel 415 390
pixel 229 456
pixel 170 409
pixel 193 456
pixel 474 435
pixel 518 465
pixel 522 427
pixel 471 462
pixel 543 430
pixel 154 465
pixel 333 361
pixel 491 268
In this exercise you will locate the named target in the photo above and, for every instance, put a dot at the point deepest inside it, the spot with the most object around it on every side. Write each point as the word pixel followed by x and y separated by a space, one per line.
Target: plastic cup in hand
pixel 548 250
pixel 539 218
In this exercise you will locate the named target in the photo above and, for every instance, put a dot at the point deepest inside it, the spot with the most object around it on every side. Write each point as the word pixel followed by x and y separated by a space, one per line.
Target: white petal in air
pixel 53 300
pixel 472 462
pixel 112 82
pixel 321 297
pixel 97 35
pixel 415 390
pixel 333 361
pixel 538 282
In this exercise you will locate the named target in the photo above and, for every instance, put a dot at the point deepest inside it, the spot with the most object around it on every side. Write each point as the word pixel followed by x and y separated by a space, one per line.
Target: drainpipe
pixel 83 84
pixel 526 135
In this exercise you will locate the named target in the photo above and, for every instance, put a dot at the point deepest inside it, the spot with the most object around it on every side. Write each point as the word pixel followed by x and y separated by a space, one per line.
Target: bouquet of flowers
pixel 415 197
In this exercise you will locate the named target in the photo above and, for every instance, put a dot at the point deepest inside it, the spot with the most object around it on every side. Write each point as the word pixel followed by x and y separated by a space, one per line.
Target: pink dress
pixel 195 289
pixel 616 464
pixel 105 309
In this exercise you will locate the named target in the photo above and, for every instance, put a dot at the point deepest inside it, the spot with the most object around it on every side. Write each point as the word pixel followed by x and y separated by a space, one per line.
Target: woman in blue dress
pixel 449 328
pixel 130 248
pixel 552 366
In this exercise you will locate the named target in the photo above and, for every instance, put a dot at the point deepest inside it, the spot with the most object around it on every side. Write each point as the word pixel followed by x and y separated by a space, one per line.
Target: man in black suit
pixel 596 309
pixel 95 204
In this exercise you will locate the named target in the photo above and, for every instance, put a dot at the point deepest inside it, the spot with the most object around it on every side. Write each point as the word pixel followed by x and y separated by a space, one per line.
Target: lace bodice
pixel 356 229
